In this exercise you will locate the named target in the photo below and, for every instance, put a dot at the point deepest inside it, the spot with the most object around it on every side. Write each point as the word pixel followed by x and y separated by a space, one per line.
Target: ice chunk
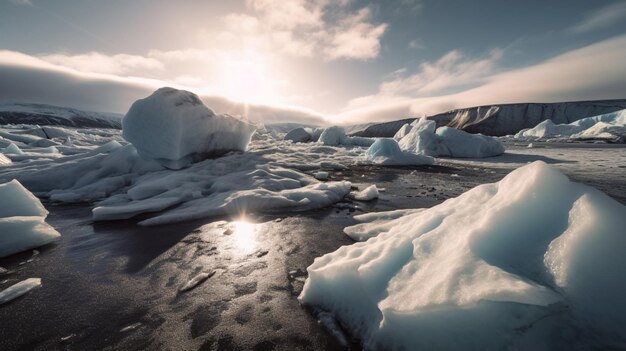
pixel 196 280
pixel 298 135
pixel 176 128
pixel 523 263
pixel 19 289
pixel 22 220
pixel 457 143
pixel 5 161
pixel 423 139
pixel 368 194
pixel 387 152
pixel 12 149
pixel 610 126
pixel 336 136
pixel 321 175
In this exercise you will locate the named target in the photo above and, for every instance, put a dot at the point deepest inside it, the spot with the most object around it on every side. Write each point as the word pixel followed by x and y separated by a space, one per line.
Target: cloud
pixel 603 17
pixel 120 64
pixel 306 28
pixel 594 72
pixel 27 78
pixel 22 2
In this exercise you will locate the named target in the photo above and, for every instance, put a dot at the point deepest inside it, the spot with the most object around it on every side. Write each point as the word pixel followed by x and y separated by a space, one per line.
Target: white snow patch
pixel 175 128
pixel 321 175
pixel 523 263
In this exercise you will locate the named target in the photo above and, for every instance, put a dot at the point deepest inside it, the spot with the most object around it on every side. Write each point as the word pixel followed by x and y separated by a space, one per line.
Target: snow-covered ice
pixel 387 152
pixel 19 289
pixel 525 263
pixel 22 220
pixel 175 128
pixel 610 126
pixel 421 137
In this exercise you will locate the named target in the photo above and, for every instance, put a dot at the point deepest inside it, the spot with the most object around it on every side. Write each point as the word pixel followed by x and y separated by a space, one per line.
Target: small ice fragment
pixel 66 338
pixel 130 327
pixel 321 175
pixel 262 253
pixel 530 146
pixel 19 289
pixel 454 175
pixel 278 220
pixel 367 194
pixel 197 280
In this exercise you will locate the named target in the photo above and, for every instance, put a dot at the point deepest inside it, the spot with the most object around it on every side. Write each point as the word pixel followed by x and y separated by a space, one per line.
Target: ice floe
pixel 19 289
pixel 525 263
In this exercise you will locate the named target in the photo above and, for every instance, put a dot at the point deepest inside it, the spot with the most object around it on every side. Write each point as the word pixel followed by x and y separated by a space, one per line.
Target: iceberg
pixel 610 126
pixel 175 128
pixel 387 152
pixel 534 261
pixel 421 137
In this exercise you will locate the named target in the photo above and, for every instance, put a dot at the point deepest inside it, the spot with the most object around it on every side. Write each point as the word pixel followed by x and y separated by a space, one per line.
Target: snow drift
pixel 531 262
pixel 610 126
pixel 22 220
pixel 175 128
pixel 420 137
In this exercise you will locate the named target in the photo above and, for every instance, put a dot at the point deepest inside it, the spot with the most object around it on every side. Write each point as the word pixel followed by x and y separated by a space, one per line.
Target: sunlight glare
pixel 244 235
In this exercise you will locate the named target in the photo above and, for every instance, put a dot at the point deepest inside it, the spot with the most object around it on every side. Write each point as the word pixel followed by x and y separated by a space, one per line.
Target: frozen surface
pixel 387 152
pixel 525 263
pixel 22 220
pixel 19 289
pixel 610 126
pixel 336 136
pixel 175 128
pixel 420 137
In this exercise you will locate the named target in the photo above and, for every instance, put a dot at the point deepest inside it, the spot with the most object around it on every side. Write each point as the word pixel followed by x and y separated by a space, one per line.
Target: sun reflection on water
pixel 244 235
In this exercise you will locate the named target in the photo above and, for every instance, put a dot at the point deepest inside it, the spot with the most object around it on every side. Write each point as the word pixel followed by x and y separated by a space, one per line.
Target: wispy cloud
pixel 601 18
pixel 22 2
pixel 307 28
pixel 593 72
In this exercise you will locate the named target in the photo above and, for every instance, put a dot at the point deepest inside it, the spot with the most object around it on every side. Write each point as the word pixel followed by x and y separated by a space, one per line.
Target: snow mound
pixel 387 152
pixel 610 126
pixel 422 138
pixel 175 128
pixel 5 161
pixel 336 136
pixel 531 262
pixel 298 135
pixel 22 220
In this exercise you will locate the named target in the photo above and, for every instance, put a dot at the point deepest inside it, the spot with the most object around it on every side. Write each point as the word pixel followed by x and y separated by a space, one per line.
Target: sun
pixel 246 77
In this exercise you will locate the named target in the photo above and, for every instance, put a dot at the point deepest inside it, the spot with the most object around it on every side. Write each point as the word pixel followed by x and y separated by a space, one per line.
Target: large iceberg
pixel 386 152
pixel 421 137
pixel 175 128
pixel 22 220
pixel 610 126
pixel 531 262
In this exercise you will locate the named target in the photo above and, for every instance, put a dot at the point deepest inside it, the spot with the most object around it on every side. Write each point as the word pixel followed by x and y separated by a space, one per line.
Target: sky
pixel 313 61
